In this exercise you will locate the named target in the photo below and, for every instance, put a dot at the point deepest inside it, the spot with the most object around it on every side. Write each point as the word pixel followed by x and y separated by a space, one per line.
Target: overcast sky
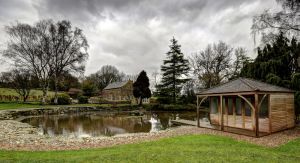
pixel 134 34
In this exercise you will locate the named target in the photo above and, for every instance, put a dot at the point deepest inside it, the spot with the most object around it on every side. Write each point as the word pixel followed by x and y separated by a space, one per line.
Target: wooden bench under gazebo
pixel 246 106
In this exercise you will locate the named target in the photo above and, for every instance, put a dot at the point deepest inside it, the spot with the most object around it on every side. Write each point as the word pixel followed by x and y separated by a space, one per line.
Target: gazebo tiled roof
pixel 244 85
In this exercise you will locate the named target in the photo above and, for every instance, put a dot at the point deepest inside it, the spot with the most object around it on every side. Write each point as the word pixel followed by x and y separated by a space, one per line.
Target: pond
pixel 90 124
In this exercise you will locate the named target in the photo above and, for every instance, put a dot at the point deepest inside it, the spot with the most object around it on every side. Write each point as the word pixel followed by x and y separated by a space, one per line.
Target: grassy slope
pixel 204 148
pixel 8 105
pixel 8 91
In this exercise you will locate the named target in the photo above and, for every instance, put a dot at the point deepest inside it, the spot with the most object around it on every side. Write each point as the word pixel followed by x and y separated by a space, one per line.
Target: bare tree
pixel 68 48
pixel 127 77
pixel 5 79
pixel 155 75
pixel 241 59
pixel 155 81
pixel 202 66
pixel 221 62
pixel 28 48
pixel 106 75
pixel 212 65
pixel 287 20
pixel 47 50
pixel 21 82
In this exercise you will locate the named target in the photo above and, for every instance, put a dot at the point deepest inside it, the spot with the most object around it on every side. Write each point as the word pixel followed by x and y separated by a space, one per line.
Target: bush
pixel 296 81
pixel 62 99
pixel 88 88
pixel 273 79
pixel 83 99
pixel 164 100
pixel 184 99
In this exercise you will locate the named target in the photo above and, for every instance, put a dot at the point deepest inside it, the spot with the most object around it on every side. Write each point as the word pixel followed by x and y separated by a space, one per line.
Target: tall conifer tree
pixel 276 62
pixel 174 70
pixel 141 87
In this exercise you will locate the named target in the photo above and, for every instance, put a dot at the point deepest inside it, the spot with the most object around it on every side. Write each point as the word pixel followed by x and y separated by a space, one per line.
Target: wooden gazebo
pixel 246 106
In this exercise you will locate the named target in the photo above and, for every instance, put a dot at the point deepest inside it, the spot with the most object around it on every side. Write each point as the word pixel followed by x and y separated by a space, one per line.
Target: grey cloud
pixel 134 34
pixel 183 10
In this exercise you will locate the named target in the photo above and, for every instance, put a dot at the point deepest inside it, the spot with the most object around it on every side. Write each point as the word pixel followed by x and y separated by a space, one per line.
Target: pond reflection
pixel 90 124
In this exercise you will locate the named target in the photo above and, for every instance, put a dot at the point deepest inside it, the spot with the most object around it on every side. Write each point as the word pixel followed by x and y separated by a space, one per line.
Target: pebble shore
pixel 15 135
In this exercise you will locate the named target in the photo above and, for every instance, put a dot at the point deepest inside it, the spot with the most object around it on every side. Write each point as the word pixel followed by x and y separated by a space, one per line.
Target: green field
pixel 8 91
pixel 196 148
pixel 12 105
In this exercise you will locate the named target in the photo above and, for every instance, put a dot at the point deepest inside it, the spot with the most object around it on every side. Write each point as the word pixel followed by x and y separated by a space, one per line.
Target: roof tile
pixel 244 85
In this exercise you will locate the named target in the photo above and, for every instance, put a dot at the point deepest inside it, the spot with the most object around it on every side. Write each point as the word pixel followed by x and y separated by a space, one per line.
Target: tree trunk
pixel 174 88
pixel 140 101
pixel 25 98
pixel 45 92
pixel 44 97
pixel 56 91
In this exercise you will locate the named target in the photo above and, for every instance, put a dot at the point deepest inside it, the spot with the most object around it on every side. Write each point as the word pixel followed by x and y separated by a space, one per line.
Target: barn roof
pixel 116 85
pixel 244 85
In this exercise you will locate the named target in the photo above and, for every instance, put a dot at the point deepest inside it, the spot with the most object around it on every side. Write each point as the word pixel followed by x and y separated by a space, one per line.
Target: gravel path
pixel 21 136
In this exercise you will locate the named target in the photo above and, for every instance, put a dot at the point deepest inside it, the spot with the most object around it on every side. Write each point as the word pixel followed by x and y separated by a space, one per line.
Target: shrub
pixel 62 99
pixel 170 107
pixel 83 99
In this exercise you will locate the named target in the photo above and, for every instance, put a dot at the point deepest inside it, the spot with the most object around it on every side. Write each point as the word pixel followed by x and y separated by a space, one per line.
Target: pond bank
pixel 21 136
pixel 17 113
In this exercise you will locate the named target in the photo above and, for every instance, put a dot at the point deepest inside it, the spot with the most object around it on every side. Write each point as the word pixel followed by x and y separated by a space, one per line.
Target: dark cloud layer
pixel 134 34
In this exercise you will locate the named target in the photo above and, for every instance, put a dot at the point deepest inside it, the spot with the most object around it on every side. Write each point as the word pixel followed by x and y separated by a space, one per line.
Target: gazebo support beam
pixel 262 99
pixel 256 115
pixel 198 123
pixel 198 109
pixel 221 112
pixel 247 101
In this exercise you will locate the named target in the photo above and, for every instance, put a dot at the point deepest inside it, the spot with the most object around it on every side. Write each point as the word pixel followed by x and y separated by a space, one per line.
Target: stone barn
pixel 118 91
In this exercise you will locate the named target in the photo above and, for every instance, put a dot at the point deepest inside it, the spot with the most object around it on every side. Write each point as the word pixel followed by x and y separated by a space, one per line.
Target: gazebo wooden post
pixel 256 115
pixel 226 110
pixel 198 108
pixel 234 110
pixel 198 116
pixel 221 112
pixel 243 113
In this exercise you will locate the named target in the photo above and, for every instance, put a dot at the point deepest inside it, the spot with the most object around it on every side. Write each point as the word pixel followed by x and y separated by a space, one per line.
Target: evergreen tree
pixel 174 70
pixel 141 87
pixel 276 62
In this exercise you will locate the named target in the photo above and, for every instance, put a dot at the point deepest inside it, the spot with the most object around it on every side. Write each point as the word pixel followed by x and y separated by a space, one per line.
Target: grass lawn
pixel 195 148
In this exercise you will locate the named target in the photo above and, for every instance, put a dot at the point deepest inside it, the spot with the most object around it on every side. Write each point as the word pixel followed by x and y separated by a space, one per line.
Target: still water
pixel 89 124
